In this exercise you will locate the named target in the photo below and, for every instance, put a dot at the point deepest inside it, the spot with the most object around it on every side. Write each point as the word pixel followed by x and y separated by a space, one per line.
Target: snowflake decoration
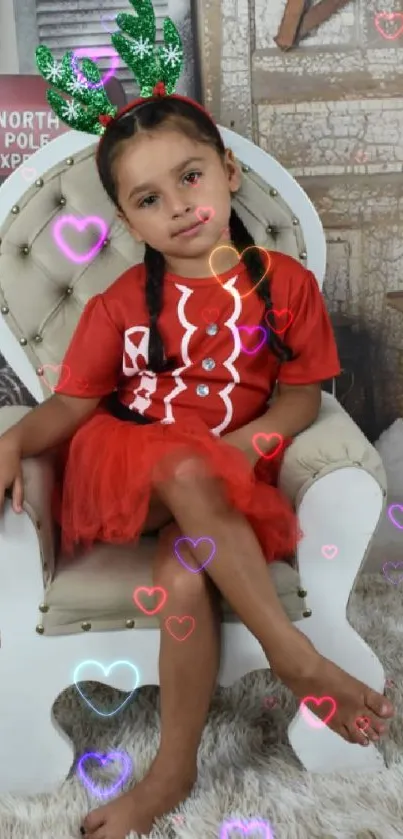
pixel 172 55
pixel 142 48
pixel 70 110
pixel 76 86
pixel 52 72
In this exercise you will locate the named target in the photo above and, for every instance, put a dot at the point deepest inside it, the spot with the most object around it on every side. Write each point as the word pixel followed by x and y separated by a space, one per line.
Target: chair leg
pixel 320 749
pixel 339 512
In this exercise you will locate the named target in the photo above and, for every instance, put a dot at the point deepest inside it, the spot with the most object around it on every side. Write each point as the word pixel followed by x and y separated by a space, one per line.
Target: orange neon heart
pixel 249 248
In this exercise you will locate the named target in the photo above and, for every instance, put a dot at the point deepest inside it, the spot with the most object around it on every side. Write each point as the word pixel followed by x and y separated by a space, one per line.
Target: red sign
pixel 26 120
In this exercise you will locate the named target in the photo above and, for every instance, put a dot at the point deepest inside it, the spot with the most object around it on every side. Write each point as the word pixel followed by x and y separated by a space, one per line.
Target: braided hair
pixel 195 124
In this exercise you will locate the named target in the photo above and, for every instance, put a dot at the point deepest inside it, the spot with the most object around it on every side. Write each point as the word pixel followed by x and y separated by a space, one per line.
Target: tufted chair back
pixel 45 283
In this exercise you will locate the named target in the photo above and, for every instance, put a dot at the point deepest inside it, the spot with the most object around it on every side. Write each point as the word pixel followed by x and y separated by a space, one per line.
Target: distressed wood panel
pixel 331 111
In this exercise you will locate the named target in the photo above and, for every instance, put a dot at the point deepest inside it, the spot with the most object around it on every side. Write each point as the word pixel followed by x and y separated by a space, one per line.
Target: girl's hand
pixel 11 476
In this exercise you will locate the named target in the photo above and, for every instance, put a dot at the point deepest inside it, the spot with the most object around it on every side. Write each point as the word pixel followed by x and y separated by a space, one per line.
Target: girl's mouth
pixel 190 231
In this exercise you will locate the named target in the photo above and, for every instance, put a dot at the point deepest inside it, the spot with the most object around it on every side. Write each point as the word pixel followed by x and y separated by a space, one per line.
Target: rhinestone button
pixel 208 363
pixel 202 390
pixel 212 329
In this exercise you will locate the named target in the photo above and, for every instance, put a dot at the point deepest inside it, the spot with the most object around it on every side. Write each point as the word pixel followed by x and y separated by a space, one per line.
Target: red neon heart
pixel 317 723
pixel 150 593
pixel 268 437
pixel 201 212
pixel 58 369
pixel 210 315
pixel 180 620
pixel 278 314
pixel 362 723
pixel 393 17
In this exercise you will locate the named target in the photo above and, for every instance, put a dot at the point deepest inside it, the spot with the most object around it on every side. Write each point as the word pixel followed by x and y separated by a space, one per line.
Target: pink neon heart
pixel 94 53
pixel 329 551
pixel 28 173
pixel 270 701
pixel 179 621
pixel 315 722
pixel 393 17
pixel 80 225
pixel 200 213
pixel 391 565
pixel 250 330
pixel 391 514
pixel 245 827
pixel 58 369
pixel 150 592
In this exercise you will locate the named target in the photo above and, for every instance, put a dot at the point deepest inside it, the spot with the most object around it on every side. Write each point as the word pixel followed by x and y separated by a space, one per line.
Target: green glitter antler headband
pixel 156 70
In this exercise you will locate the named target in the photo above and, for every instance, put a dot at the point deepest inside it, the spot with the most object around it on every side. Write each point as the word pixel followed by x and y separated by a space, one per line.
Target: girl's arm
pixel 294 409
pixel 49 424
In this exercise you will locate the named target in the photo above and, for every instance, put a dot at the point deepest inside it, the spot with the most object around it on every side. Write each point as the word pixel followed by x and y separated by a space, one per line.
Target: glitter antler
pixel 71 80
pixel 148 64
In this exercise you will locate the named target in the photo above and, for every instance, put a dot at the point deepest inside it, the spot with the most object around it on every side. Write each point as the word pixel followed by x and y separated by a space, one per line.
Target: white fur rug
pixel 247 770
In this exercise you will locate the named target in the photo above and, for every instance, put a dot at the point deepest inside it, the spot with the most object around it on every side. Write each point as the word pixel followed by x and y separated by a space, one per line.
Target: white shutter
pixel 69 24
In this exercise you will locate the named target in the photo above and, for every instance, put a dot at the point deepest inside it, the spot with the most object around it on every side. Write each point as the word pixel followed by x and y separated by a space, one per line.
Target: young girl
pixel 174 448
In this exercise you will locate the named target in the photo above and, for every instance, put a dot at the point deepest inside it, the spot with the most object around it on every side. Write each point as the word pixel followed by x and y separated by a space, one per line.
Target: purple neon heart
pixel 105 792
pixel 390 514
pixel 246 827
pixel 93 53
pixel 393 565
pixel 195 542
pixel 80 225
pixel 249 330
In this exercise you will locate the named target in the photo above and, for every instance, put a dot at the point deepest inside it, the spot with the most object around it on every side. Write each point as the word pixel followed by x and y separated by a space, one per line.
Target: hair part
pixel 194 123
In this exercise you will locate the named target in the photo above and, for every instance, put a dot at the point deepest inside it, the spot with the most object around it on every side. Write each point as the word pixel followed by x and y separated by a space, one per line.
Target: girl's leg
pixel 240 572
pixel 188 672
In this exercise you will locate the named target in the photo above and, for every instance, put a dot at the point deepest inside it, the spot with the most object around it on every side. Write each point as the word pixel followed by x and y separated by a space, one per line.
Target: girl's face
pixel 167 183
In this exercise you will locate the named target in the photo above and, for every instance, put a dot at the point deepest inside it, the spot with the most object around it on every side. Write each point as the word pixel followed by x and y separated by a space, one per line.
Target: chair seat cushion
pixel 95 590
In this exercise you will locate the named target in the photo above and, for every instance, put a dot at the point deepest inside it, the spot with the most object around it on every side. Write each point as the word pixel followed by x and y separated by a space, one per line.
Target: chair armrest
pixel 332 442
pixel 38 478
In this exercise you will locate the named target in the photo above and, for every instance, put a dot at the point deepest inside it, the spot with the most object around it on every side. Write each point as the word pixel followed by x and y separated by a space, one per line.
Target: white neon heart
pixel 106 671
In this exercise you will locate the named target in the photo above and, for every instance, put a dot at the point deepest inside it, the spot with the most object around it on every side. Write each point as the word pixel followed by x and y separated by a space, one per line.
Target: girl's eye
pixel 143 203
pixel 194 176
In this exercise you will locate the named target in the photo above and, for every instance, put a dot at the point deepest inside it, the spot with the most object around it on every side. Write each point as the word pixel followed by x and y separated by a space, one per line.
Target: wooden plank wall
pixel 331 111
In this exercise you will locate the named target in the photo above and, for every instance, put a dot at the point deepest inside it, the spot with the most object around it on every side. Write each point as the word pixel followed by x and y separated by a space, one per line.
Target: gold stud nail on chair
pixel 55 615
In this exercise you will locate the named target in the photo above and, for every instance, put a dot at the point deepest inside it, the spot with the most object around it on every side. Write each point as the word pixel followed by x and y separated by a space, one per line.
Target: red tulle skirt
pixel 107 471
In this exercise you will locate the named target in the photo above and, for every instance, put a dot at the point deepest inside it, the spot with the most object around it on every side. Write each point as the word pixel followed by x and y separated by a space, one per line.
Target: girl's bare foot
pixel 158 793
pixel 356 706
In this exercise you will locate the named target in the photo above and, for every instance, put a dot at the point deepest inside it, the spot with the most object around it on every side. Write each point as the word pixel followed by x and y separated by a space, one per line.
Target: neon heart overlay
pixel 180 620
pixel 274 452
pixel 94 53
pixel 149 592
pixel 393 507
pixel 250 330
pixel 56 368
pixel 315 722
pixel 362 723
pixel 195 543
pixel 250 247
pixel 29 173
pixel 278 314
pixel 329 551
pixel 245 827
pixel 105 670
pixel 393 565
pixel 392 17
pixel 80 225
pixel 108 17
pixel 100 792
pixel 212 315
pixel 389 683
pixel 200 210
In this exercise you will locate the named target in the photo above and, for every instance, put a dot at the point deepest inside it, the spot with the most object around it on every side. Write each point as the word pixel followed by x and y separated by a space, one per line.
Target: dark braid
pixel 242 239
pixel 154 262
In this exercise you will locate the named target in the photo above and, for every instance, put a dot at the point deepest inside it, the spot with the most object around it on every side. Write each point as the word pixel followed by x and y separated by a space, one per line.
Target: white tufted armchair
pixel 57 614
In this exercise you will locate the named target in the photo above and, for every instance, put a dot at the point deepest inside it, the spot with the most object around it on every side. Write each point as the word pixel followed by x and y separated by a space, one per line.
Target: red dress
pixel 220 384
